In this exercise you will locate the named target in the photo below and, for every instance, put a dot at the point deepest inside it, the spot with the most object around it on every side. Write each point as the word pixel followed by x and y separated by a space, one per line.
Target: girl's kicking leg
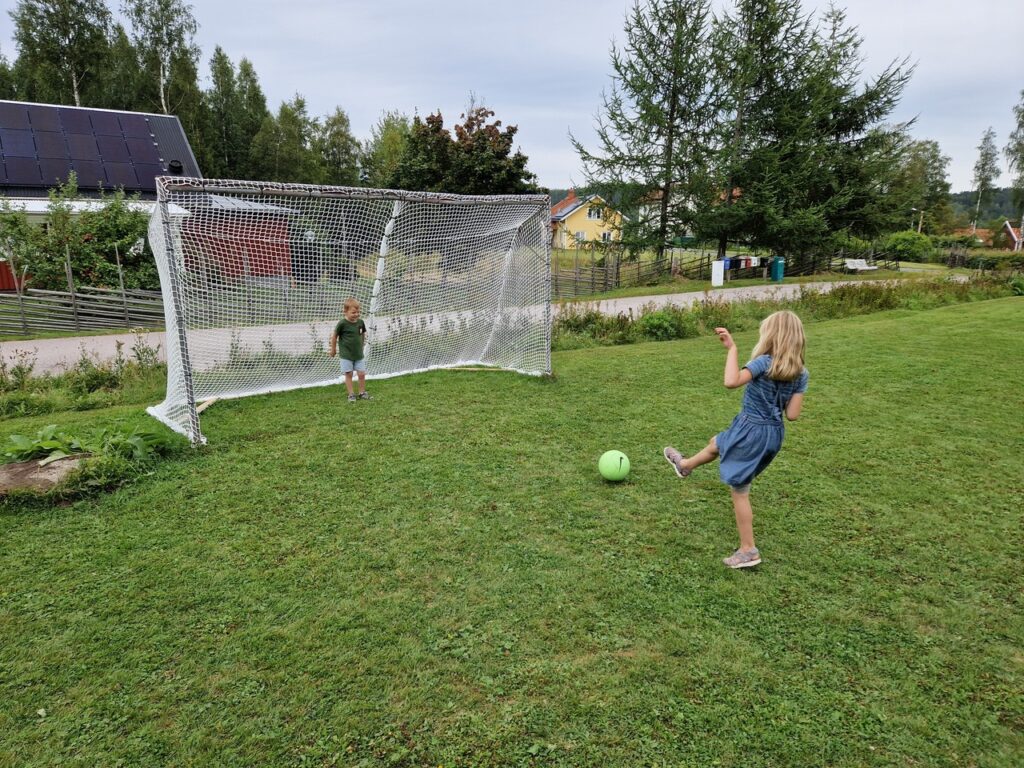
pixel 684 465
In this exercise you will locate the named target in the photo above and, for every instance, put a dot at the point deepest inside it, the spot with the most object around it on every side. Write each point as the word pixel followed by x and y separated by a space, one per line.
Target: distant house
pixel 576 221
pixel 42 144
pixel 1015 235
pixel 981 236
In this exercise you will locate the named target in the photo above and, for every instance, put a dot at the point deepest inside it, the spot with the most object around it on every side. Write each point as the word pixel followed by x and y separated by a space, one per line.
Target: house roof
pixel 563 209
pixel 41 144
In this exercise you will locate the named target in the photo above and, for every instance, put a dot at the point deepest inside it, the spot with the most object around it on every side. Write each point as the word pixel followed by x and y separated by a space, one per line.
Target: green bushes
pixel 578 326
pixel 909 246
pixel 93 240
pixel 88 384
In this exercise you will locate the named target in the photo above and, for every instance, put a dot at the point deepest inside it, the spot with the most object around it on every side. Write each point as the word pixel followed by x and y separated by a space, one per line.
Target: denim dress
pixel 750 443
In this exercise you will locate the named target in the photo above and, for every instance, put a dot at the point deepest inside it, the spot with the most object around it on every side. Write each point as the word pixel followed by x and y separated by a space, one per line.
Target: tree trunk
pixel 163 89
pixel 977 212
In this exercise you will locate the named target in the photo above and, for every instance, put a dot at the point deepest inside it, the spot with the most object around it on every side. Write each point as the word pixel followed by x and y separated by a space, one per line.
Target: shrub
pixel 575 328
pixel 909 246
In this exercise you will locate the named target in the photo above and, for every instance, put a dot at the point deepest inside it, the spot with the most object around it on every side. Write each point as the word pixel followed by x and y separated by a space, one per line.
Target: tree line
pixel 760 125
pixel 74 52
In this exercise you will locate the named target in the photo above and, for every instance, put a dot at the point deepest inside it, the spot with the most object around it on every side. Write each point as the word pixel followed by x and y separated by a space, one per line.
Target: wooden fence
pixel 84 309
pixel 608 269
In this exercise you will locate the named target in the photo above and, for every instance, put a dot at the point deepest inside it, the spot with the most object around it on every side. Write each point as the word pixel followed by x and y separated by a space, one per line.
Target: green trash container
pixel 777 269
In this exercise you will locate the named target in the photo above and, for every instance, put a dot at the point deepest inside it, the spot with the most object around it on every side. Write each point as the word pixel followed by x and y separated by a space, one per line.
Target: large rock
pixel 29 476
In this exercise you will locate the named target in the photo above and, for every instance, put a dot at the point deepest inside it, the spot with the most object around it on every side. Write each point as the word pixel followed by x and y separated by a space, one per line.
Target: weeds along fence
pixel 84 309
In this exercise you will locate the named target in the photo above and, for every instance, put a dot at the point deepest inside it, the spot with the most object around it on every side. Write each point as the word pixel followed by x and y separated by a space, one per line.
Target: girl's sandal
pixel 673 457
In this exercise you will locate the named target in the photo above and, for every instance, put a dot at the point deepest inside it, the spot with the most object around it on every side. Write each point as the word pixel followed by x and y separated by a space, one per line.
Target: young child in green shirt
pixel 348 337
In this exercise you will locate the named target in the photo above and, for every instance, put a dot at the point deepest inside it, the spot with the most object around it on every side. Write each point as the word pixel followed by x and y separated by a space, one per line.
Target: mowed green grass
pixel 440 577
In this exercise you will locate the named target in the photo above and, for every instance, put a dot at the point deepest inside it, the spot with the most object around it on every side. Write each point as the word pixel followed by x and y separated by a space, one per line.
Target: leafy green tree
pixel 483 161
pixel 338 149
pixel 426 161
pixel 8 88
pixel 986 170
pixel 61 44
pixel 654 128
pixel 163 32
pixel 478 160
pixel 922 187
pixel 382 152
pixel 1014 151
pixel 282 150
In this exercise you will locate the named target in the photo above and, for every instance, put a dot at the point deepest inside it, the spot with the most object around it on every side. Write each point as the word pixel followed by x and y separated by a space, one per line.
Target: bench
pixel 858 265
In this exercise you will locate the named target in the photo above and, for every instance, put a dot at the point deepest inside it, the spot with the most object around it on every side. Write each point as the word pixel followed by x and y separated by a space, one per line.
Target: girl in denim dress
pixel 775 380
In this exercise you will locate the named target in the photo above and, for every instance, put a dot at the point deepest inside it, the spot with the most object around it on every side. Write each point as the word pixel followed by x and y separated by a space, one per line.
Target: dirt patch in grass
pixel 29 476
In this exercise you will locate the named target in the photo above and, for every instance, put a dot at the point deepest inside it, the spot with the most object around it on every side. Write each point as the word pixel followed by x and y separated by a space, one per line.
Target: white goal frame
pixel 253 276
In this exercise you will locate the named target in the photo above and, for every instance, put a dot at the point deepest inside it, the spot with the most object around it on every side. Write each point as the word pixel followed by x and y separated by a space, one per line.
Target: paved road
pixel 55 355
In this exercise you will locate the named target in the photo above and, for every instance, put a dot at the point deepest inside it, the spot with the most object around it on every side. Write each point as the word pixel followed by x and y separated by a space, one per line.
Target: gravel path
pixel 55 355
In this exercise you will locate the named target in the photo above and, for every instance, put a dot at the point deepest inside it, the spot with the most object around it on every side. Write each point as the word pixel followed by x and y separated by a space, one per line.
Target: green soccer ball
pixel 613 465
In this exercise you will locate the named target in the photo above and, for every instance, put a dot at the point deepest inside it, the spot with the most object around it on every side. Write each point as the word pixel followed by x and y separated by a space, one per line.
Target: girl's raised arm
pixel 734 375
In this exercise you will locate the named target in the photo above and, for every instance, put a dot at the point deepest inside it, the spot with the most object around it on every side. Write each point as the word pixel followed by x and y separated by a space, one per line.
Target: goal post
pixel 254 276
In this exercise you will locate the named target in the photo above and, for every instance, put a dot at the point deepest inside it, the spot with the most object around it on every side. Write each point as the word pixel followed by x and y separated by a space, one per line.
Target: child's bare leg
pixel 348 381
pixel 362 381
pixel 706 455
pixel 744 519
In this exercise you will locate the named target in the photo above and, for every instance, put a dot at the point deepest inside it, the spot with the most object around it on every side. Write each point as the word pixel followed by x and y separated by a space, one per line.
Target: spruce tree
pixel 227 151
pixel 804 150
pixel 338 149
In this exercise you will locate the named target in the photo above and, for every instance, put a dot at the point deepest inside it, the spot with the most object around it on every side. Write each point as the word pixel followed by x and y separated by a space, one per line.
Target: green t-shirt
pixel 350 339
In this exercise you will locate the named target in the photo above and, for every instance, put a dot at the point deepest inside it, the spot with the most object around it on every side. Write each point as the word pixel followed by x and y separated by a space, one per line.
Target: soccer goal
pixel 254 276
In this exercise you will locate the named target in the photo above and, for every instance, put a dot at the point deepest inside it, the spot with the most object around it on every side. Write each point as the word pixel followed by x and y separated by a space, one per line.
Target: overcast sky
pixel 542 65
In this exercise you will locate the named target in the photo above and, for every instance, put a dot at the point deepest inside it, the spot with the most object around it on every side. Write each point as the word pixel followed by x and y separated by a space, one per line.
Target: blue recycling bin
pixel 777 269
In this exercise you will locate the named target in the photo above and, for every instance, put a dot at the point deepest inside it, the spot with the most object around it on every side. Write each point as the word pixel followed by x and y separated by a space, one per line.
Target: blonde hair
pixel 349 303
pixel 782 337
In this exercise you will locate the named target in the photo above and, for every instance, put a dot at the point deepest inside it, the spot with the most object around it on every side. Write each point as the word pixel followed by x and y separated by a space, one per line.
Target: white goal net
pixel 255 275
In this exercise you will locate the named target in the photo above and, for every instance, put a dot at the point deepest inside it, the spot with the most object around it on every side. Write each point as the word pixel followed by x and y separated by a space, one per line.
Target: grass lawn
pixel 439 577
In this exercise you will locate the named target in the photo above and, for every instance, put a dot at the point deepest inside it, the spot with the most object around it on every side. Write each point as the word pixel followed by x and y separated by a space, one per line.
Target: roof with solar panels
pixel 40 144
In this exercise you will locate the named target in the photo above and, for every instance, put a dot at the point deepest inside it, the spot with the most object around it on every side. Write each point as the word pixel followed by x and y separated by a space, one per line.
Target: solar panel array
pixel 40 144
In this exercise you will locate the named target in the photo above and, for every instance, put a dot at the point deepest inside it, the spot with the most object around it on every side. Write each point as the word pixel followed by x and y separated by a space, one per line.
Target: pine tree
pixel 655 124
pixel 282 149
pixel 252 114
pixel 227 151
pixel 123 86
pixel 986 170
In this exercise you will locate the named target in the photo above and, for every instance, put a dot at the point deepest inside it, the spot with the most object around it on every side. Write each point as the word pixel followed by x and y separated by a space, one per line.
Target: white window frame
pixel 580 237
pixel 595 212
pixel 606 237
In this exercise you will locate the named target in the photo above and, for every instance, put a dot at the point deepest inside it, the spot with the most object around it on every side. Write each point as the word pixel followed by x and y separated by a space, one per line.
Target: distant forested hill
pixel 998 204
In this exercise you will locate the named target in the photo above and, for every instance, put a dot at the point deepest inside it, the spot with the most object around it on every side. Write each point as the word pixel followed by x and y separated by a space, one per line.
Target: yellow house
pixel 576 221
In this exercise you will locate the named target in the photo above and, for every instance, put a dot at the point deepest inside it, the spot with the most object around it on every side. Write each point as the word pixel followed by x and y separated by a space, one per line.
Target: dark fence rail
pixel 86 309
